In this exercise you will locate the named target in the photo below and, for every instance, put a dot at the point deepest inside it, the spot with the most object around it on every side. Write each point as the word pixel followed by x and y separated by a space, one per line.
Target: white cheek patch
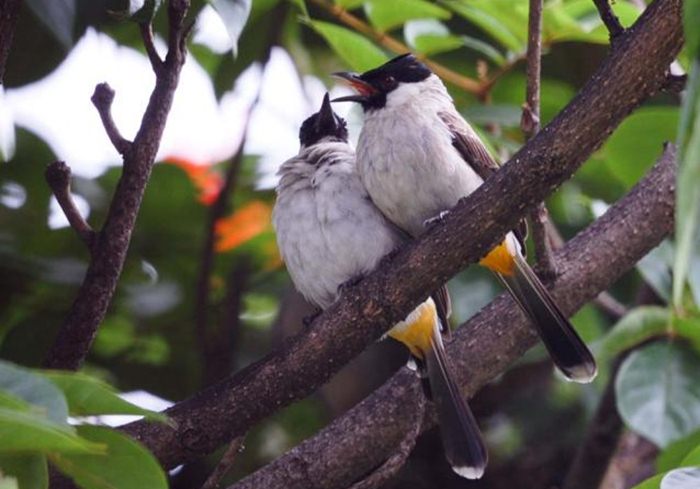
pixel 403 94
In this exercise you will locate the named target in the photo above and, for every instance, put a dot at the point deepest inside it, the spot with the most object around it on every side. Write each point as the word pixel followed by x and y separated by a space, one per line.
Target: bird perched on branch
pixel 329 233
pixel 417 157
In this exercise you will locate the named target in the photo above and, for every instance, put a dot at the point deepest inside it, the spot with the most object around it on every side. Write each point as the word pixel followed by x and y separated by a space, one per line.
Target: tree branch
pixel 58 177
pixel 8 21
pixel 109 251
pixel 483 347
pixel 146 30
pixel 609 19
pixel 224 465
pixel 633 71
pixel 102 99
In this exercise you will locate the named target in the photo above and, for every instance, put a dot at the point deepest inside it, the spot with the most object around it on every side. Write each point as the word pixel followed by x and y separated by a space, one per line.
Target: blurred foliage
pixel 148 339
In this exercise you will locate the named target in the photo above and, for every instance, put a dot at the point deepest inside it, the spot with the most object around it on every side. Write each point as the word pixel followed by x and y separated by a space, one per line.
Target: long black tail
pixel 464 448
pixel 568 351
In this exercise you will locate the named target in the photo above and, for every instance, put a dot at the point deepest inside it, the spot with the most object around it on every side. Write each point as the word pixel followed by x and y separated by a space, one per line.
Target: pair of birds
pixel 339 212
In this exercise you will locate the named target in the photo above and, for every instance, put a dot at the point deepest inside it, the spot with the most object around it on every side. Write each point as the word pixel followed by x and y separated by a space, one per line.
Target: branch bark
pixel 633 71
pixel 58 176
pixel 8 21
pixel 484 346
pixel 110 246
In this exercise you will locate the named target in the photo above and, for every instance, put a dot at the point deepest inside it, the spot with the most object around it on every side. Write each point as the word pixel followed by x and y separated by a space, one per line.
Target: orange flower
pixel 246 223
pixel 207 181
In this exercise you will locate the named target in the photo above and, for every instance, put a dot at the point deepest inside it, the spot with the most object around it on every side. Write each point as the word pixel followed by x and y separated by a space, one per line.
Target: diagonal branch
pixel 110 246
pixel 483 347
pixel 609 19
pixel 634 70
pixel 58 177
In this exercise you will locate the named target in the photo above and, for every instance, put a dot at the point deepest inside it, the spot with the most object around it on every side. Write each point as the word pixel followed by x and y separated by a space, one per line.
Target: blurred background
pixel 174 328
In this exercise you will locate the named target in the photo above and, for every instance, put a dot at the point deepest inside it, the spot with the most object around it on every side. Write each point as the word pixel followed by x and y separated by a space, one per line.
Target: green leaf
pixel 35 390
pixel 29 432
pixel 487 17
pixel 651 483
pixel 58 16
pixel 691 21
pixel 637 326
pixel 89 396
pixel 387 15
pixel 693 458
pixel 429 36
pixel 29 470
pixel 358 52
pixel 484 48
pixel 350 4
pixel 635 145
pixel 688 190
pixel 126 464
pixel 655 267
pixel 8 482
pixel 658 395
pixel 685 478
pixel 503 114
pixel 234 13
pixel 301 5
pixel 688 327
pixel 672 456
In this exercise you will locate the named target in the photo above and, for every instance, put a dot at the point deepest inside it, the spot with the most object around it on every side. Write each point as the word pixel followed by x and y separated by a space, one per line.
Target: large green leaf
pixel 234 13
pixel 29 470
pixel 89 396
pixel 637 326
pixel 429 36
pixel 684 478
pixel 688 190
pixel 358 52
pixel 35 390
pixel 651 483
pixel 657 392
pixel 126 465
pixel 637 143
pixel 387 15
pixel 693 458
pixel 655 267
pixel 30 432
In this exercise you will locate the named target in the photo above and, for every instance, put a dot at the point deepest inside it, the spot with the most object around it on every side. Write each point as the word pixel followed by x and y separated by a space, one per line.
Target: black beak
pixel 326 118
pixel 364 90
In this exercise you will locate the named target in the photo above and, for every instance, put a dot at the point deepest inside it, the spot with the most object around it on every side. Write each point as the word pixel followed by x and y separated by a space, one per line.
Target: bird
pixel 417 157
pixel 330 233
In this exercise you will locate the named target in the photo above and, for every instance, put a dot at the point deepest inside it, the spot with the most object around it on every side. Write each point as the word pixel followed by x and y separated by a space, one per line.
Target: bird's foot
pixel 307 320
pixel 435 220
pixel 350 283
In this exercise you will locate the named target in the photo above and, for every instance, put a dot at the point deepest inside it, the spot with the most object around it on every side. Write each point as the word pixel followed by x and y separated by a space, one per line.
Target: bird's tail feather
pixel 567 350
pixel 464 447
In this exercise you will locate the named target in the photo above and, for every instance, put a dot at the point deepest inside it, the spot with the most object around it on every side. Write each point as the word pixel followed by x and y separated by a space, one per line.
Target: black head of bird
pixel 323 125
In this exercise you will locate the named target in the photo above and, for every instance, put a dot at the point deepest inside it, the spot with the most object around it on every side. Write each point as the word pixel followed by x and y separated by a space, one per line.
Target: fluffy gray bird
pixel 329 232
pixel 417 157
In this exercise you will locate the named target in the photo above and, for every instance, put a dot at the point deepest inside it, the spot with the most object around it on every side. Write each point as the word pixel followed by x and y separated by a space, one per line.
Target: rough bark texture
pixel 8 20
pixel 111 243
pixel 484 346
pixel 634 70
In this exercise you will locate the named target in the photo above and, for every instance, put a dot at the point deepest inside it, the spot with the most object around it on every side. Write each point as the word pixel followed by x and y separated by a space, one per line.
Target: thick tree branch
pixel 109 251
pixel 483 347
pixel 634 70
pixel 8 21
pixel 102 99
pixel 58 177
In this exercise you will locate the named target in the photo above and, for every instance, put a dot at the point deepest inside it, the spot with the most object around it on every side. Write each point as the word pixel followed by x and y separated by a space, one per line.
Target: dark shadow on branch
pixel 9 9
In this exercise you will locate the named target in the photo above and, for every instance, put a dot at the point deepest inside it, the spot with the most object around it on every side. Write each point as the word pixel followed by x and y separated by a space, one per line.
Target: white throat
pixel 431 91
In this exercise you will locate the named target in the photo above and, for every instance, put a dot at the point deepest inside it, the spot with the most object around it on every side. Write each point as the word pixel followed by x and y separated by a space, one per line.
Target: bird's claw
pixel 429 223
pixel 350 283
pixel 308 319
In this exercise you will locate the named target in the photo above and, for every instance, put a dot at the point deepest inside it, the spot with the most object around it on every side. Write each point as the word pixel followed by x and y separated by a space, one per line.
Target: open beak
pixel 326 119
pixel 364 90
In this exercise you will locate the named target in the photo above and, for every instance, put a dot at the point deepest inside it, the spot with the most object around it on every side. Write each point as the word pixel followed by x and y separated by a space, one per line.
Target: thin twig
pixel 225 464
pixel 148 43
pixel 79 328
pixel 530 125
pixel 102 99
pixel 609 19
pixel 464 82
pixel 393 464
pixel 58 177
pixel 613 308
